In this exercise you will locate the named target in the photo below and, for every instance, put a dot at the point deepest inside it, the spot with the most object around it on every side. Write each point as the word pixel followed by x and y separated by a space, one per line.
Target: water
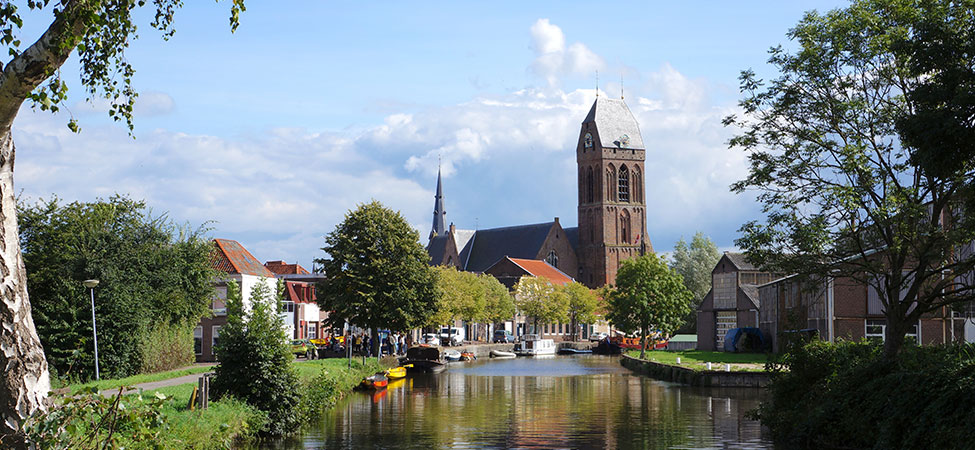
pixel 581 401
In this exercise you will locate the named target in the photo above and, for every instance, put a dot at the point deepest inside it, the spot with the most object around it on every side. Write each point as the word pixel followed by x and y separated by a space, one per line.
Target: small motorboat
pixel 395 373
pixel 375 381
pixel 573 351
pixel 501 354
pixel 451 355
pixel 423 359
pixel 467 356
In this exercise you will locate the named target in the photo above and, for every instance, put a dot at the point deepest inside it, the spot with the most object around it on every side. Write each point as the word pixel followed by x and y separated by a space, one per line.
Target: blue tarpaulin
pixel 748 339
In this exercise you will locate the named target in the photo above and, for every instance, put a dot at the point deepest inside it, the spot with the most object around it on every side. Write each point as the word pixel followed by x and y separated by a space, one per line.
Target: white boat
pixel 533 346
pixel 451 355
pixel 501 354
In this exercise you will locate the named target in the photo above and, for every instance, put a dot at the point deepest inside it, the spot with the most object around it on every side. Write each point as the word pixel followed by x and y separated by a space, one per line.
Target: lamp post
pixel 90 284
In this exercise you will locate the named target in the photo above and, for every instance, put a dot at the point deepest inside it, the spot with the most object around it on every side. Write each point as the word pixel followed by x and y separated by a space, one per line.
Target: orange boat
pixel 375 382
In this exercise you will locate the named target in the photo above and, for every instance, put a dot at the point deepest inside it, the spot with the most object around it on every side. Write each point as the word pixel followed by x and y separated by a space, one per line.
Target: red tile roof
pixel 283 268
pixel 300 292
pixel 542 269
pixel 231 257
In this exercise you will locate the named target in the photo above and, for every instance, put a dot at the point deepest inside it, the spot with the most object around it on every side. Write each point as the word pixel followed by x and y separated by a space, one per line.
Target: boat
pixel 423 359
pixel 467 356
pixel 451 355
pixel 533 346
pixel 375 381
pixel 502 354
pixel 573 351
pixel 607 347
pixel 395 373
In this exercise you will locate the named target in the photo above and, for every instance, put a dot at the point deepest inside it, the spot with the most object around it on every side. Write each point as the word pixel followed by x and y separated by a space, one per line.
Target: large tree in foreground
pixel 845 196
pixel 377 275
pixel 100 31
pixel 648 296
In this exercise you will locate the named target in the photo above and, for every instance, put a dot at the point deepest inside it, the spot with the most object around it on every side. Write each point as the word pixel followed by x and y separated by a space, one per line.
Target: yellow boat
pixel 397 372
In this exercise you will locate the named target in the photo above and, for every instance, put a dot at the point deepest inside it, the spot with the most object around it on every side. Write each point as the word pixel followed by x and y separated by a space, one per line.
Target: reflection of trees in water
pixel 596 411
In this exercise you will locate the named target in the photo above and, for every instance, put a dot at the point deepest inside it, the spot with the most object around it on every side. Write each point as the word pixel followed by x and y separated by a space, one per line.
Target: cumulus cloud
pixel 553 60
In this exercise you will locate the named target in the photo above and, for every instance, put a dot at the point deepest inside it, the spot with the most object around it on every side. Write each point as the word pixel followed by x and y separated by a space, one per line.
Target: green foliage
pixel 695 262
pixel 255 359
pixel 100 31
pixel 836 180
pixel 539 300
pixel 848 395
pixel 167 346
pixel 377 274
pixel 582 305
pixel 499 304
pixel 462 296
pixel 92 421
pixel 648 296
pixel 155 278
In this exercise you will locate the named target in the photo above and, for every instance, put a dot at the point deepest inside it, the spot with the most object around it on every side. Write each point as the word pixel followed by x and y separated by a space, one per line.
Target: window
pixel 610 178
pixel 725 320
pixel 215 338
pixel 552 259
pixel 312 331
pixel 876 331
pixel 625 227
pixel 637 186
pixel 875 305
pixel 588 140
pixel 198 340
pixel 723 288
pixel 624 185
pixel 589 186
pixel 288 307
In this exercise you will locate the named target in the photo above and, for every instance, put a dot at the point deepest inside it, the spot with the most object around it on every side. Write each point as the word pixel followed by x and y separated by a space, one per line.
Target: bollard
pixel 709 366
pixel 678 360
pixel 727 367
pixel 203 399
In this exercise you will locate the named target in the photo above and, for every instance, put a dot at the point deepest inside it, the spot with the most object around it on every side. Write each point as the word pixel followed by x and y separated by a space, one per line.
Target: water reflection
pixel 562 402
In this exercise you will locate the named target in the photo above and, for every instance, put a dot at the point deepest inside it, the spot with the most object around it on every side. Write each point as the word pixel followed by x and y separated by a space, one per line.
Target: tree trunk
pixel 26 381
pixel 643 342
pixel 894 337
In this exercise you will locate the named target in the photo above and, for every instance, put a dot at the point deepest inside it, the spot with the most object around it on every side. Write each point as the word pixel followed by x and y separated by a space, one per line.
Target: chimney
pixel 452 228
pixel 556 220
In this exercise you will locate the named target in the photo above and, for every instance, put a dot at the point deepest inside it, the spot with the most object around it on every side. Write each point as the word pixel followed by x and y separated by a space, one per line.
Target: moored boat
pixel 395 373
pixel 423 359
pixel 451 355
pixel 467 356
pixel 502 354
pixel 375 381
pixel 533 346
pixel 573 351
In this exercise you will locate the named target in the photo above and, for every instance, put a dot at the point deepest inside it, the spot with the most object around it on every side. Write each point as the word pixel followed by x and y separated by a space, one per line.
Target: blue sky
pixel 274 132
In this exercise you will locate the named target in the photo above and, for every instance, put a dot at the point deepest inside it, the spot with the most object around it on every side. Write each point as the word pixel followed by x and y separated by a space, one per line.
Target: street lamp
pixel 90 284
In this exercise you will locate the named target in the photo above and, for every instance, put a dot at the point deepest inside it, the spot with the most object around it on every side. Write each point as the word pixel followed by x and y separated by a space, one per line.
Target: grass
pixel 698 359
pixel 138 379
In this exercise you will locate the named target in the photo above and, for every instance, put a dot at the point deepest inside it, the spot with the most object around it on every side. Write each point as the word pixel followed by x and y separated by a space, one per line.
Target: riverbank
pixel 692 377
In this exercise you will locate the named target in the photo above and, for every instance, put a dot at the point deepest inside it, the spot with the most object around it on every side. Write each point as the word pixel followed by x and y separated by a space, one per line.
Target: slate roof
pixel 738 259
pixel 489 246
pixel 572 235
pixel 751 292
pixel 613 119
pixel 233 258
pixel 542 269
pixel 464 240
pixel 435 248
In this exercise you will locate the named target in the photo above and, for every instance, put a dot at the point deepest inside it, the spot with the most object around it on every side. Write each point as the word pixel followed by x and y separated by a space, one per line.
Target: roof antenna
pixel 621 85
pixel 597 84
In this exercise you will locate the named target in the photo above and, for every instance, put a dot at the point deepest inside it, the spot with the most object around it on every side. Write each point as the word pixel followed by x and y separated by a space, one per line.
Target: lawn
pixel 137 379
pixel 698 359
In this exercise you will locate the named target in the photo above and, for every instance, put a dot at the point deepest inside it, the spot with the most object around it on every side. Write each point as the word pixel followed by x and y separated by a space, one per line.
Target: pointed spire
pixel 439 215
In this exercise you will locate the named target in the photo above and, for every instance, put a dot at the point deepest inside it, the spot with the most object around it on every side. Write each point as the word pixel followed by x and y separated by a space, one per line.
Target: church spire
pixel 439 215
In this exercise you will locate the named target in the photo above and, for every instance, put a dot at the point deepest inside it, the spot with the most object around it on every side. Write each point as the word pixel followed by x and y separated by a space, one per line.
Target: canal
pixel 580 401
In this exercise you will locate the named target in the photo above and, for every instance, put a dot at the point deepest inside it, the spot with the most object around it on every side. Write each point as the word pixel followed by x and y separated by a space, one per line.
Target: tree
pixel 582 304
pixel 695 263
pixel 462 297
pixel 844 194
pixel 155 285
pixel 255 358
pixel 648 295
pixel 377 275
pixel 100 31
pixel 499 305
pixel 537 298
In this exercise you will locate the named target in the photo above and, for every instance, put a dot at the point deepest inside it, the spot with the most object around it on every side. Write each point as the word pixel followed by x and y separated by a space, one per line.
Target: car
pixel 431 339
pixel 503 336
pixel 303 347
pixel 451 336
pixel 596 337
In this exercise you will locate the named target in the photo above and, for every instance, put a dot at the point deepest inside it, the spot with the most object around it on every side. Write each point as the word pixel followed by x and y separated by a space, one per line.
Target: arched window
pixel 610 178
pixel 592 226
pixel 625 227
pixel 637 186
pixel 552 258
pixel 589 187
pixel 624 185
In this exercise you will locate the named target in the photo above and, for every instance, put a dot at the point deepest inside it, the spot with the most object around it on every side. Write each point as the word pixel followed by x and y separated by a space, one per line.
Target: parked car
pixel 451 336
pixel 596 337
pixel 503 336
pixel 431 339
pixel 303 347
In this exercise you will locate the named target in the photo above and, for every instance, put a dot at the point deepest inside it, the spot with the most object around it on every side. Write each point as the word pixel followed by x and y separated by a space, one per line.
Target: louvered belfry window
pixel 624 185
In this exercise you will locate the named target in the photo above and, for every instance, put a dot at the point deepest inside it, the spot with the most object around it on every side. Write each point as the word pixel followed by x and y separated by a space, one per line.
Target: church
pixel 612 213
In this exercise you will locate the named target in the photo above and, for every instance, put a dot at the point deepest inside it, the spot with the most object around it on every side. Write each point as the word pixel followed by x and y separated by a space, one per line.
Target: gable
pixel 231 257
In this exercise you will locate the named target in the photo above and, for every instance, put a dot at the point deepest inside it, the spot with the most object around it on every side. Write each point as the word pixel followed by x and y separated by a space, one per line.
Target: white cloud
pixel 553 60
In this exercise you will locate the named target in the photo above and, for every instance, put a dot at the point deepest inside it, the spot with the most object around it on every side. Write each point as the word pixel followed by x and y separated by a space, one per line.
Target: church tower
pixel 439 215
pixel 612 209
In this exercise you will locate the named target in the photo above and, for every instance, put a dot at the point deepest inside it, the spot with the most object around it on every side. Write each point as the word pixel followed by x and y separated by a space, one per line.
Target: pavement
pixel 152 385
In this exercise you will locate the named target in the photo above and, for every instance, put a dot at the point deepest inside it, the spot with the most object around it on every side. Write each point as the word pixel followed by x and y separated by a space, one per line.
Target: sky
pixel 270 135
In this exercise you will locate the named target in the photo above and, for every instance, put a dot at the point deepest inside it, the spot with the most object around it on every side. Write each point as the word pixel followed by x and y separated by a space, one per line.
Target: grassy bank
pixel 104 385
pixel 698 359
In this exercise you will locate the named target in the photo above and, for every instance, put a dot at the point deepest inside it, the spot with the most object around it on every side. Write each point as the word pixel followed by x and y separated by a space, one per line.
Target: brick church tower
pixel 612 208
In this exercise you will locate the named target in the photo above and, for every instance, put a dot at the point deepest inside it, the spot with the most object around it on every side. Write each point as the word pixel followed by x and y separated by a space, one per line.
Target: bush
pixel 847 395
pixel 255 361
pixel 167 346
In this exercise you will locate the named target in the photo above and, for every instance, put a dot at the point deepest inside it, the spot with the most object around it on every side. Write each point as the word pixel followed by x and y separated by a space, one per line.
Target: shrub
pixel 847 395
pixel 167 346
pixel 255 360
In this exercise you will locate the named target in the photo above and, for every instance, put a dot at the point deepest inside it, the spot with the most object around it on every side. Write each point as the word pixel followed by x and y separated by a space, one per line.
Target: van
pixel 503 337
pixel 451 336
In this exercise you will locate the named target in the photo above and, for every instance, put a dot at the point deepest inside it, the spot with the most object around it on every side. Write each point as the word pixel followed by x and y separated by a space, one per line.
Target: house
pixel 234 263
pixel 841 308
pixel 299 309
pixel 732 301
